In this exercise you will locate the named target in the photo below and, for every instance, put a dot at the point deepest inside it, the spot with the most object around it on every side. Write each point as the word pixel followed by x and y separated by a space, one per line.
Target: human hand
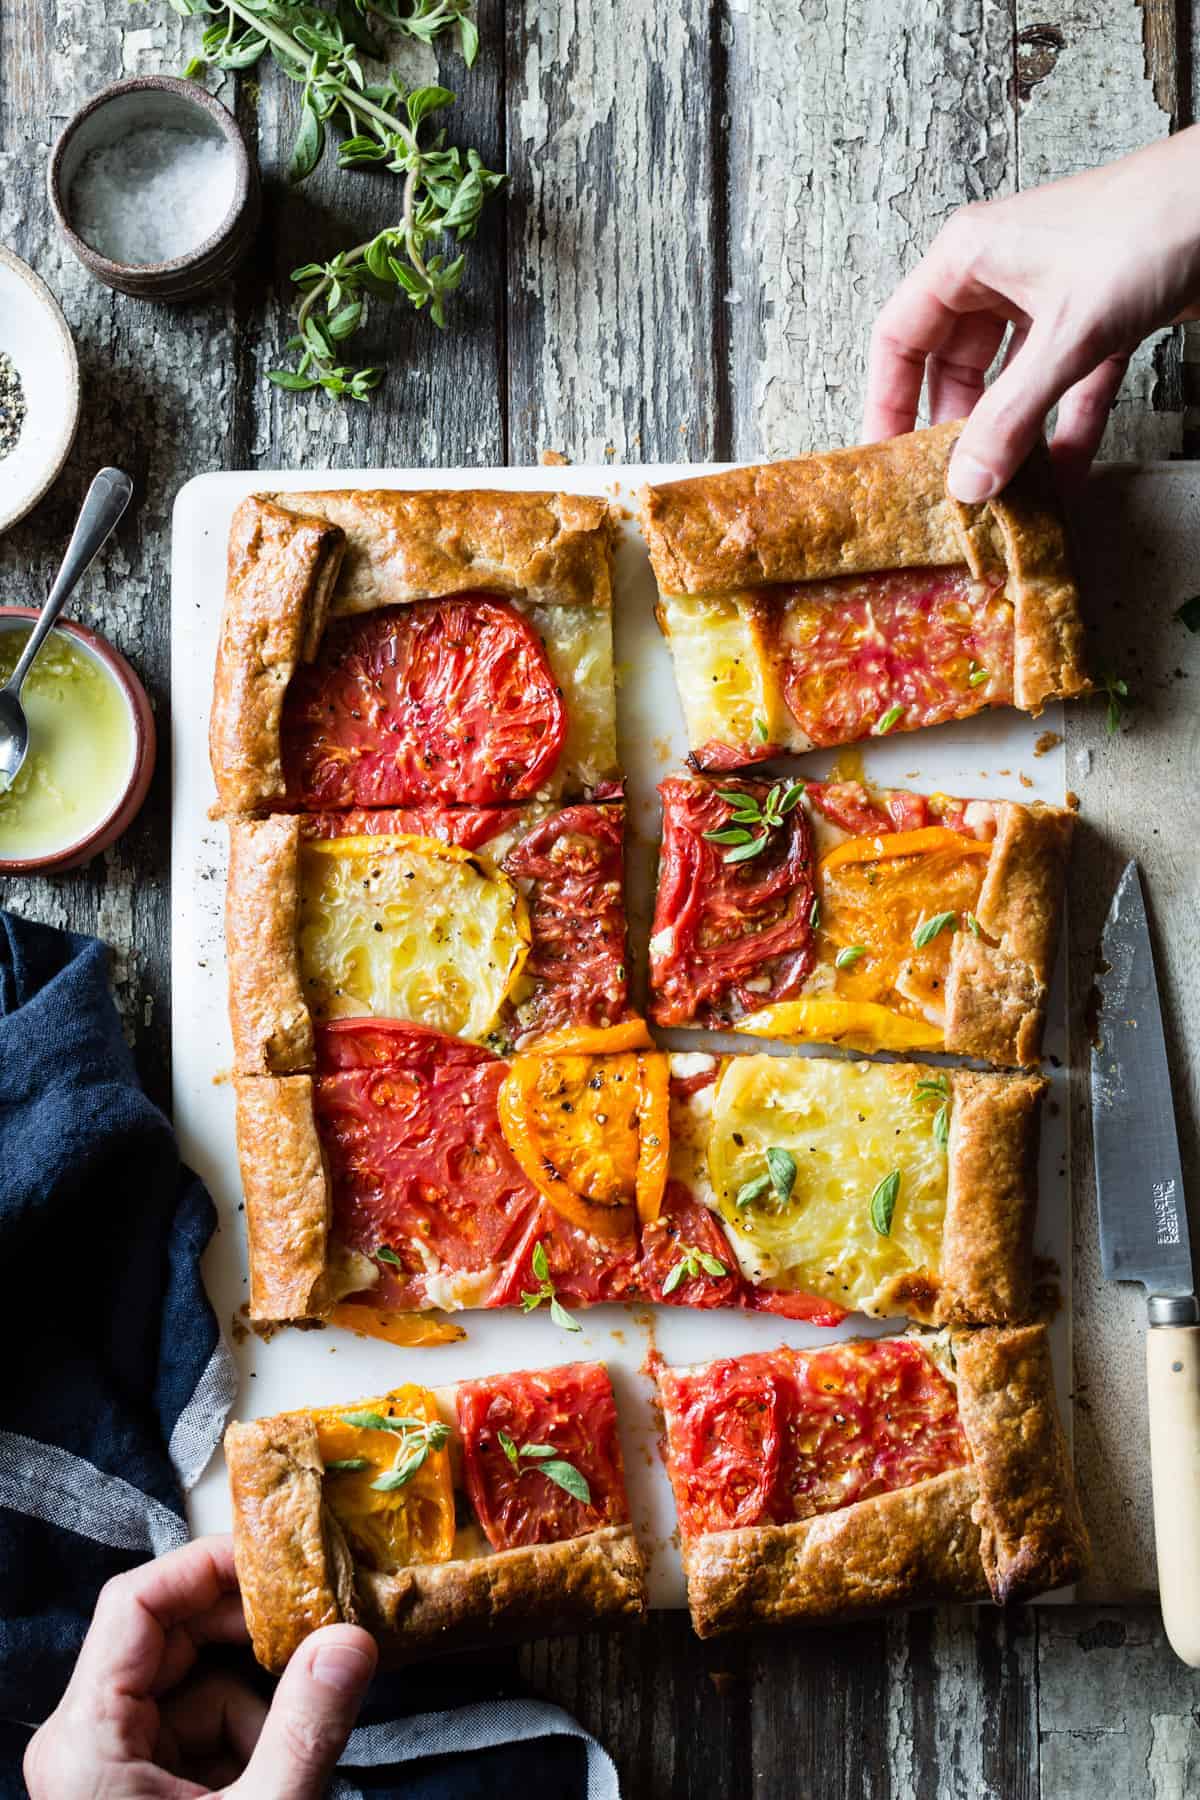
pixel 132 1724
pixel 1083 270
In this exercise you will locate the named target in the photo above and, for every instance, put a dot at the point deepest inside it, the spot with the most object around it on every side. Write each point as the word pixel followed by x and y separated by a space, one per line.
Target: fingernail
pixel 342 1667
pixel 970 482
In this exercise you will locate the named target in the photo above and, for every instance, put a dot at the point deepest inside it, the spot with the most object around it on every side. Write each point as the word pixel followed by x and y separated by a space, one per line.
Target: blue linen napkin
pixel 116 1383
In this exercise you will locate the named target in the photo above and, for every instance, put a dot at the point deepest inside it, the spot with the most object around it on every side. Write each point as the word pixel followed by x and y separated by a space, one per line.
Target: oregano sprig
pixel 319 47
pixel 530 1302
pixel 417 1438
pixel 693 1262
pixel 557 1469
pixel 750 822
pixel 937 1087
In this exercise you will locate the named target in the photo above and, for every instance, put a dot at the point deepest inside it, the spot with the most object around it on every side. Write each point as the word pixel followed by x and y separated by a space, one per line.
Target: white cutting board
pixel 991 756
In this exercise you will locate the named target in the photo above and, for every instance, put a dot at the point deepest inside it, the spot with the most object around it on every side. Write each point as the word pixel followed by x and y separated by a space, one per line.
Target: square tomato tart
pixel 875 1473
pixel 417 648
pixel 438 1518
pixel 881 920
pixel 847 595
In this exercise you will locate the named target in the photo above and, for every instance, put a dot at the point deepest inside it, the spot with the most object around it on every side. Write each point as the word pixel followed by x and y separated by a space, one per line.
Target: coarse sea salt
pixel 152 195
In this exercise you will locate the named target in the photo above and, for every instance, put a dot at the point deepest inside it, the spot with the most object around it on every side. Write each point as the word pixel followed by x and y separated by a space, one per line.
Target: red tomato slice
pixel 869 1417
pixel 571 869
pixel 716 757
pixel 851 649
pixel 572 1410
pixel 809 1307
pixel 683 1225
pixel 585 1270
pixel 719 926
pixel 467 827
pixel 448 700
pixel 727 1430
pixel 418 1164
pixel 860 812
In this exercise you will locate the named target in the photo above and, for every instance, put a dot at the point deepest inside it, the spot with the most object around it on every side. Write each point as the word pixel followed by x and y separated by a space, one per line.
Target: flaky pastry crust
pixel 1007 1524
pixel 876 507
pixel 288 1201
pixel 297 1572
pixel 991 1199
pixel 268 1016
pixel 997 984
pixel 282 568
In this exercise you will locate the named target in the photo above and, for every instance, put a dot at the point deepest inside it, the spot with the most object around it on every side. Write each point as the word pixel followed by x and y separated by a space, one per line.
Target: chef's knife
pixel 1144 1237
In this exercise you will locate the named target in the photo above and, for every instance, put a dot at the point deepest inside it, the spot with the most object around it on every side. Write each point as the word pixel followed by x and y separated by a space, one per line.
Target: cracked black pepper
pixel 12 405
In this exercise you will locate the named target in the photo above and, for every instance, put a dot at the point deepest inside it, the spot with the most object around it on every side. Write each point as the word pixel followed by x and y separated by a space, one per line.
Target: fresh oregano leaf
pixel 883 1203
pixel 929 929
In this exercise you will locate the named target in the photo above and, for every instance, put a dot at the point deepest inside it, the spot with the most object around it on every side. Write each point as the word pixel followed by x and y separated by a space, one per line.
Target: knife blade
pixel 1144 1237
pixel 1139 1179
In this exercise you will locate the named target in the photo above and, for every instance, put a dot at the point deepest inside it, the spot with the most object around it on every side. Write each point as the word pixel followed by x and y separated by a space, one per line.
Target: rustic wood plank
pixel 961 1705
pixel 858 129
pixel 614 267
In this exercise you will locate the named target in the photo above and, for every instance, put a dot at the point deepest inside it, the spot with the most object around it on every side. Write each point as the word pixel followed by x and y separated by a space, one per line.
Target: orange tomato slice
pixel 590 1132
pixel 394 1528
pixel 408 1330
pixel 879 846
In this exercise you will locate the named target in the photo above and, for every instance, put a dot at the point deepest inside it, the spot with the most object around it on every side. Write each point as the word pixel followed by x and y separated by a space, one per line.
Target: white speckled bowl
pixel 36 336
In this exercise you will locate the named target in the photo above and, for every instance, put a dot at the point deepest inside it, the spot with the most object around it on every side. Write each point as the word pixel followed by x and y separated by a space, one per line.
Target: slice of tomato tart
pixel 836 1187
pixel 824 913
pixel 408 649
pixel 436 1518
pixel 500 925
pixel 870 1474
pixel 411 1171
pixel 847 595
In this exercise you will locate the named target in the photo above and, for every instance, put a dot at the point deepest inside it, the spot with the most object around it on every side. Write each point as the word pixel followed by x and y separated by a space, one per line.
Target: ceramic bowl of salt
pixel 153 188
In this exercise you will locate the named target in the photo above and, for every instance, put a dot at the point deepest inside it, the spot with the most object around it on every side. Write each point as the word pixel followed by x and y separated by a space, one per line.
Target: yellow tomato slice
pixel 408 928
pixel 395 1528
pixel 858 1024
pixel 883 845
pixel 573 1123
pixel 654 1134
pixel 408 1330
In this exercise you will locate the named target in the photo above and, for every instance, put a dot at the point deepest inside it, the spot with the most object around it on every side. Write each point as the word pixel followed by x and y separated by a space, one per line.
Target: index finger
pixel 137 1613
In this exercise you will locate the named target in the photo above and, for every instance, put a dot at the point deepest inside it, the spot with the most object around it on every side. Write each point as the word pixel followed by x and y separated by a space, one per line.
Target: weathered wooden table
pixel 707 205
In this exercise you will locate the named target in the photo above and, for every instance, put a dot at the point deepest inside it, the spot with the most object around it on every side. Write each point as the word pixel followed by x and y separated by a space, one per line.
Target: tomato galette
pixel 436 1517
pixel 413 1171
pixel 847 595
pixel 501 925
pixel 396 649
pixel 820 912
pixel 869 1474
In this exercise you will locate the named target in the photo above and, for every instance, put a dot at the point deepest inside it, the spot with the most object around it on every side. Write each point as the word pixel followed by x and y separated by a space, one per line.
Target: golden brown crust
pixel 1032 1534
pixel 293 1565
pixel 511 1593
pixel 269 1019
pixel 875 507
pixel 286 1189
pixel 281 574
pixel 987 1239
pixel 420 545
pixel 996 990
pixel 911 1547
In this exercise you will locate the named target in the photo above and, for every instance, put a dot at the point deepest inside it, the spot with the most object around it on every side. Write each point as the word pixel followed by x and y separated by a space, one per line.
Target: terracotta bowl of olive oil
pixel 91 748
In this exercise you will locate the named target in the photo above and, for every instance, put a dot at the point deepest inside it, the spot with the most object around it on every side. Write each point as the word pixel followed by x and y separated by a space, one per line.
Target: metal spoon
pixel 106 500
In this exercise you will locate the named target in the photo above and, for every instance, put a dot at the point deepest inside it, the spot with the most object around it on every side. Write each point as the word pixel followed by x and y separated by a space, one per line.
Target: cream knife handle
pixel 1173 1376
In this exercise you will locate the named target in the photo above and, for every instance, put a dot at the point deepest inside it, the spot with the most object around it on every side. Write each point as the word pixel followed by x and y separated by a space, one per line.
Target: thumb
pixel 311 1716
pixel 1009 417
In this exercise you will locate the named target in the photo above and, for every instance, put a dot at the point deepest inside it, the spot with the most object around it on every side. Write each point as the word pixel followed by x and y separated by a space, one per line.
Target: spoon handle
pixel 106 500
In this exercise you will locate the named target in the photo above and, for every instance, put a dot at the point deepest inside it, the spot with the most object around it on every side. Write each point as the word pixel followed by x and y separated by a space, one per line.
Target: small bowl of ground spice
pixel 154 190
pixel 39 389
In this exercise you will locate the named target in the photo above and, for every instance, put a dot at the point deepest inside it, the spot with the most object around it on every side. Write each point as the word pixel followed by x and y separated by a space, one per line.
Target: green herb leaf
pixel 932 1086
pixel 562 1317
pixel 290 381
pixel 566 1476
pixel 366 1421
pixel 814 914
pixel 846 959
pixel 1189 613
pixel 676 1275
pixel 883 1203
pixel 941 1125
pixel 347 1465
pixel 385 1254
pixel 781 1167
pixel 729 834
pixel 424 100
pixel 1117 691
pixel 746 851
pixel 977 676
pixel 537 1450
pixel 972 924
pixel 753 1190
pixel 889 720
pixel 398 1477
pixel 310 142
pixel 538 1262
pixel 508 1447
pixel 929 929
